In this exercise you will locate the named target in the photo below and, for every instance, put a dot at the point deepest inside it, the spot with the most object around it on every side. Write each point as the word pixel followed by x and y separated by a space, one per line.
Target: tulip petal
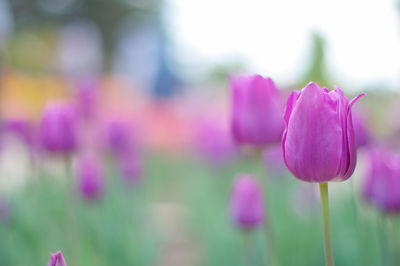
pixel 355 99
pixel 342 104
pixel 291 101
pixel 294 95
pixel 350 140
pixel 57 259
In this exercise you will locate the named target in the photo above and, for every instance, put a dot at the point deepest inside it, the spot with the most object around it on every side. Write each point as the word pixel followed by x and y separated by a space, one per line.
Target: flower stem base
pixel 329 261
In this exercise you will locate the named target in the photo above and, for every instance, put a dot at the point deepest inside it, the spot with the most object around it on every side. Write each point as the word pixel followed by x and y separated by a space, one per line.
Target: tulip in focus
pixel 318 142
pixel 382 183
pixel 246 204
pixel 58 129
pixel 90 177
pixel 57 259
pixel 257 111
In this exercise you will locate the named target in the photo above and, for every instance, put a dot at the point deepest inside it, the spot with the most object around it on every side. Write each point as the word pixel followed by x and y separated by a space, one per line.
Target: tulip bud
pixel 58 129
pixel 382 183
pixel 57 259
pixel 257 110
pixel 318 141
pixel 90 179
pixel 246 204
pixel 119 137
pixel 87 96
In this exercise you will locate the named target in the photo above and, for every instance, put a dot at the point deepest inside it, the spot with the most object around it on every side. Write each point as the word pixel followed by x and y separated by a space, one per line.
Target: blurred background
pixel 145 173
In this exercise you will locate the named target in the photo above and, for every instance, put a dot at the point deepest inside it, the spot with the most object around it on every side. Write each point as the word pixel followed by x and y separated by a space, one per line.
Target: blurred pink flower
pixel 90 177
pixel 257 110
pixel 246 204
pixel 382 182
pixel 87 96
pixel 119 137
pixel 58 128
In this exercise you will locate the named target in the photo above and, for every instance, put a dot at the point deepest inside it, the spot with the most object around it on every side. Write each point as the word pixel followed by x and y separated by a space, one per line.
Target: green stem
pixel 267 223
pixel 271 245
pixel 385 252
pixel 67 165
pixel 72 210
pixel 329 261
pixel 247 249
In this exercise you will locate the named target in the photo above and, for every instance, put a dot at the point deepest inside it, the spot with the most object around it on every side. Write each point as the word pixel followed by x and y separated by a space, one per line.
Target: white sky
pixel 273 37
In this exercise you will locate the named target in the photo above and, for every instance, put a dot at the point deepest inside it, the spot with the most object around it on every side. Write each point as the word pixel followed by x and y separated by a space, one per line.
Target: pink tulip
pixel 87 96
pixel 119 137
pixel 58 129
pixel 57 259
pixel 318 141
pixel 382 184
pixel 90 177
pixel 257 110
pixel 246 205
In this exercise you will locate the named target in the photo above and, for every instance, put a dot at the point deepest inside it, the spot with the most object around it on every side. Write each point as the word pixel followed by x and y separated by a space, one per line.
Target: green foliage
pixel 47 215
pixel 316 70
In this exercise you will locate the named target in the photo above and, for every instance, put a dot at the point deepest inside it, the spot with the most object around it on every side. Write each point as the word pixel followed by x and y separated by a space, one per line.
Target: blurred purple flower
pixel 90 177
pixel 57 259
pixel 246 204
pixel 58 128
pixel 131 168
pixel 214 143
pixel 382 182
pixel 87 90
pixel 318 142
pixel 22 128
pixel 119 137
pixel 257 110
pixel 362 135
